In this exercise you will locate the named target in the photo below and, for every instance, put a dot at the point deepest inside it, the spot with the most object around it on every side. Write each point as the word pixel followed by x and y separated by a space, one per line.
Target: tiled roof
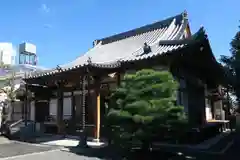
pixel 128 46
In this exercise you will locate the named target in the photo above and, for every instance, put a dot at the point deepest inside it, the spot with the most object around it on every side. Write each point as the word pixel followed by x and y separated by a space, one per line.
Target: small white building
pixel 7 53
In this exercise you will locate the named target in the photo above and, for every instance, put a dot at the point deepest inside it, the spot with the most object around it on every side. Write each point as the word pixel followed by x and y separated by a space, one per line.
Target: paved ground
pixel 51 155
pixel 16 148
pixel 233 152
pixel 4 140
pixel 226 149
pixel 23 151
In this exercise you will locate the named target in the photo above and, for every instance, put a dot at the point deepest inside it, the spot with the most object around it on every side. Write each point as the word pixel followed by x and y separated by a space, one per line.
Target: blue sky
pixel 65 29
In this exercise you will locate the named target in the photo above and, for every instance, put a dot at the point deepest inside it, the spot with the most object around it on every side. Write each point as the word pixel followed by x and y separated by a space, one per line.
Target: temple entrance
pixel 41 111
pixel 88 115
pixel 196 105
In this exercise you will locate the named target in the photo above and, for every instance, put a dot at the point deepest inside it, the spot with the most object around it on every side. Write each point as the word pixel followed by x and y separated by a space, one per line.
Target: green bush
pixel 143 108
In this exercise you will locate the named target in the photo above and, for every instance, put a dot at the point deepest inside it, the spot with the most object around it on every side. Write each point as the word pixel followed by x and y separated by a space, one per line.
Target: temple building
pixel 73 96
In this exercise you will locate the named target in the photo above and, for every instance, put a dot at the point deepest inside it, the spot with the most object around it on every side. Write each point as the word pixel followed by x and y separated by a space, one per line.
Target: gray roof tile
pixel 132 46
pixel 128 46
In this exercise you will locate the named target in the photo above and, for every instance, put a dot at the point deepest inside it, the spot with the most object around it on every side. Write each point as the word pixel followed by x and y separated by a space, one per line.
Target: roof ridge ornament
pixel 58 68
pixel 203 31
pixel 185 14
pixel 89 61
pixel 97 42
pixel 145 50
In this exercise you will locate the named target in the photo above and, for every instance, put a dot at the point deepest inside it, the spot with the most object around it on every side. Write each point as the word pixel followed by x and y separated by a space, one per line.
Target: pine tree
pixel 144 106
pixel 232 66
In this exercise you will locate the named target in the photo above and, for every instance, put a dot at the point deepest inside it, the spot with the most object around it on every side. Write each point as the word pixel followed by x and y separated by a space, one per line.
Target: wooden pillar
pixel 73 113
pixel 60 109
pixel 98 123
pixel 23 105
pixel 26 105
pixel 212 109
pixel 29 108
pixel 83 102
pixel 83 133
pixel 118 79
pixel 98 110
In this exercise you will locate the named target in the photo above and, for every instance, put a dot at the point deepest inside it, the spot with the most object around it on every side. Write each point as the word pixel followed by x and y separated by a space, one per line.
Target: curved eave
pixel 217 72
pixel 107 66
pixel 92 65
pixel 178 45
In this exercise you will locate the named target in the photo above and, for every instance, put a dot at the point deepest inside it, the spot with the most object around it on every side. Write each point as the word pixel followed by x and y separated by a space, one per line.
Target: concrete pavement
pixel 15 150
pixel 23 151
pixel 18 148
pixel 4 140
pixel 51 155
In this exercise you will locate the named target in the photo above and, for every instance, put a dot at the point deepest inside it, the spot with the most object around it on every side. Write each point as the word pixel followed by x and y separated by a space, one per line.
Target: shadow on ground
pixel 109 153
pixel 214 152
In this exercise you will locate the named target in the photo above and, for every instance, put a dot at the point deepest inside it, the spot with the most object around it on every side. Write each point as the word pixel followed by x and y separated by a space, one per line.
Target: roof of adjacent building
pixel 160 37
pixel 20 70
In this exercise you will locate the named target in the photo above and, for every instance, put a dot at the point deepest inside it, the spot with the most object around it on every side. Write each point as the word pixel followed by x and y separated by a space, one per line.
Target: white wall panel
pixel 67 108
pixel 53 107
pixel 32 111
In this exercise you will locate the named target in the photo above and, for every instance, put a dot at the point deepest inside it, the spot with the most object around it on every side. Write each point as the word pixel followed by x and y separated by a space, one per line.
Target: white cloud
pixel 44 8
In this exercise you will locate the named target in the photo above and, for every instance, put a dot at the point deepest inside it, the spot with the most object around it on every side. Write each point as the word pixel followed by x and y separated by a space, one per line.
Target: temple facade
pixel 74 96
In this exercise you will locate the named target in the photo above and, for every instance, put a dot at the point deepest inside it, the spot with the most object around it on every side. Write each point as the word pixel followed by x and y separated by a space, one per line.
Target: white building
pixel 27 63
pixel 7 53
